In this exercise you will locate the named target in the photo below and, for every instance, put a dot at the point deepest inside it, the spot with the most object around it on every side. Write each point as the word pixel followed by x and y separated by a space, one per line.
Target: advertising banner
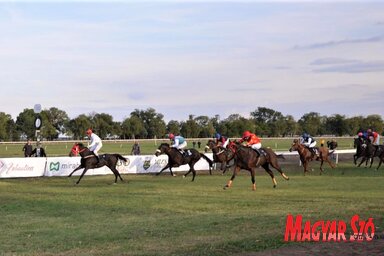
pixel 22 167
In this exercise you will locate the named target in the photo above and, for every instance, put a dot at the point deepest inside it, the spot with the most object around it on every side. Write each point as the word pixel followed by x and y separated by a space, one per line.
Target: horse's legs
pixel 253 179
pixel 381 160
pixel 116 173
pixel 276 165
pixel 235 171
pixel 321 166
pixel 76 169
pixel 166 167
pixel 81 176
pixel 269 171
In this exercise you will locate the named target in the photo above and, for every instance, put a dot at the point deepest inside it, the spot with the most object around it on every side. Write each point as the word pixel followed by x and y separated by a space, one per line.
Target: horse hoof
pixel 183 176
pixel 274 186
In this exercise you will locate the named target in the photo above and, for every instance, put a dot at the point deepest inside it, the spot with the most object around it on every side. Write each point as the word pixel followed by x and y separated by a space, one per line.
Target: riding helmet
pixel 217 135
pixel 89 131
pixel 246 134
pixel 171 136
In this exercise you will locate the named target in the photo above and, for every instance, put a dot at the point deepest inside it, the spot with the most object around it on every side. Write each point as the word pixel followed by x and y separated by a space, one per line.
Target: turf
pixel 164 215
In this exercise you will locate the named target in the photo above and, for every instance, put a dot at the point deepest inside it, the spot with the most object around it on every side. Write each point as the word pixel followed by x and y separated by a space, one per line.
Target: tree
pixel 375 122
pixel 102 124
pixel 153 122
pixel 133 128
pixel 173 126
pixel 337 125
pixel 190 128
pixel 79 125
pixel 310 123
pixel 7 126
pixel 25 123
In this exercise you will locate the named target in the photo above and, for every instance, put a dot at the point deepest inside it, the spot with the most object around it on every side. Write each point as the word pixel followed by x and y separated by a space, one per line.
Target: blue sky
pixel 197 57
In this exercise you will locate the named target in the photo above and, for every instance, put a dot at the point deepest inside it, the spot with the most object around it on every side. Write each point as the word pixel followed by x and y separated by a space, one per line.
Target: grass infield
pixel 164 215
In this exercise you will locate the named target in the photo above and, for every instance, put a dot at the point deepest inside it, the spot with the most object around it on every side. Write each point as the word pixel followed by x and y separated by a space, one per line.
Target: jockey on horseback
pixel 95 143
pixel 178 142
pixel 252 141
pixel 221 140
pixel 309 142
pixel 373 136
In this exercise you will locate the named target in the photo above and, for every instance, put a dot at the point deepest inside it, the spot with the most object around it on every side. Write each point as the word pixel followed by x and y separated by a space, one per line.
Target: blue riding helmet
pixel 305 135
pixel 217 136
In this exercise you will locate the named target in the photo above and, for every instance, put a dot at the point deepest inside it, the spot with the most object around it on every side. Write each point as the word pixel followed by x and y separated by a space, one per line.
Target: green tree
pixel 375 122
pixel 310 123
pixel 7 126
pixel 153 122
pixel 79 125
pixel 336 125
pixel 190 128
pixel 133 128
pixel 25 123
pixel 173 126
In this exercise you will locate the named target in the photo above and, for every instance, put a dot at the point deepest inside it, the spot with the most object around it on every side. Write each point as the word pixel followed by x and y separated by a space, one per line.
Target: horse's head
pixel 77 149
pixel 163 148
pixel 210 145
pixel 295 145
pixel 74 150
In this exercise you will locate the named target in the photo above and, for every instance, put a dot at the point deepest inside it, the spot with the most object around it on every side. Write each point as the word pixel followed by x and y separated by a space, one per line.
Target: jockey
pixel 220 139
pixel 178 142
pixel 252 141
pixel 309 142
pixel 95 143
pixel 373 136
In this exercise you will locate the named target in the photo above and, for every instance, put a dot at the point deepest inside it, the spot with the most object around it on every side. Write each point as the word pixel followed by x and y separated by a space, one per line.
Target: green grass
pixel 124 147
pixel 164 215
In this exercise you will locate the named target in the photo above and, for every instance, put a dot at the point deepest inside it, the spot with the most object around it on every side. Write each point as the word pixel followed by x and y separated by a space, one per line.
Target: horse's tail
pixel 207 159
pixel 118 156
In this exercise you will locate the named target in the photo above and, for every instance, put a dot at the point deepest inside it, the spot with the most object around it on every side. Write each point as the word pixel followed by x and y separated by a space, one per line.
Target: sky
pixel 200 58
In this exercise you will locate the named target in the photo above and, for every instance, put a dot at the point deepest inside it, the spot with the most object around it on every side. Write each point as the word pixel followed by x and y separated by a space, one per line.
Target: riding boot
pixel 97 158
pixel 257 151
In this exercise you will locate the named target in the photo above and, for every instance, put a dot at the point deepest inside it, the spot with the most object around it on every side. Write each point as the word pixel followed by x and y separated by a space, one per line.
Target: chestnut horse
pixel 89 161
pixel 175 159
pixel 248 159
pixel 221 155
pixel 306 155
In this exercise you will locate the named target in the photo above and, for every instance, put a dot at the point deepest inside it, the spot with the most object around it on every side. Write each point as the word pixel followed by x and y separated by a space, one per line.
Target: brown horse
pixel 306 155
pixel 89 161
pixel 175 159
pixel 248 159
pixel 221 155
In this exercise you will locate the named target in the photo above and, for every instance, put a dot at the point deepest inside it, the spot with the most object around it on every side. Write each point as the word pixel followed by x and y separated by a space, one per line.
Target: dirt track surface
pixel 375 247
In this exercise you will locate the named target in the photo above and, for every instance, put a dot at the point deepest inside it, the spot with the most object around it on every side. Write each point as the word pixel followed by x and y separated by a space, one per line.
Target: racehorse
pixel 368 152
pixel 306 155
pixel 221 155
pixel 248 159
pixel 175 159
pixel 360 145
pixel 89 161
pixel 380 153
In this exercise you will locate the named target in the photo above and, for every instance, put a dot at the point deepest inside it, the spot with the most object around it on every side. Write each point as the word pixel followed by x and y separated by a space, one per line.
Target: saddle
pixel 185 153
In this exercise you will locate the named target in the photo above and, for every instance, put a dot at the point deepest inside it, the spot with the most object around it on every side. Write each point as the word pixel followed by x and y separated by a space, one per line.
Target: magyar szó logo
pixel 54 166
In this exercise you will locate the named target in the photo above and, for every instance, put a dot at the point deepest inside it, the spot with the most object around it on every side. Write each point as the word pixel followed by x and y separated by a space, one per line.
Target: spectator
pixel 332 144
pixel 28 148
pixel 198 144
pixel 194 144
pixel 38 151
pixel 135 149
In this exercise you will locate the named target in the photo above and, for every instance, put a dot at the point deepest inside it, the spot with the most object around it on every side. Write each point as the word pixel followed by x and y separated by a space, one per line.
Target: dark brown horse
pixel 221 155
pixel 89 161
pixel 248 159
pixel 176 159
pixel 306 155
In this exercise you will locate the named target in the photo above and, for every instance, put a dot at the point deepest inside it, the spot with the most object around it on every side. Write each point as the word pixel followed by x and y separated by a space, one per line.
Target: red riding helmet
pixel 246 134
pixel 89 131
pixel 360 134
pixel 171 136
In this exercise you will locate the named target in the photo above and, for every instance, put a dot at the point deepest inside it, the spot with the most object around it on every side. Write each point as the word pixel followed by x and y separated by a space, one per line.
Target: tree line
pixel 148 124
